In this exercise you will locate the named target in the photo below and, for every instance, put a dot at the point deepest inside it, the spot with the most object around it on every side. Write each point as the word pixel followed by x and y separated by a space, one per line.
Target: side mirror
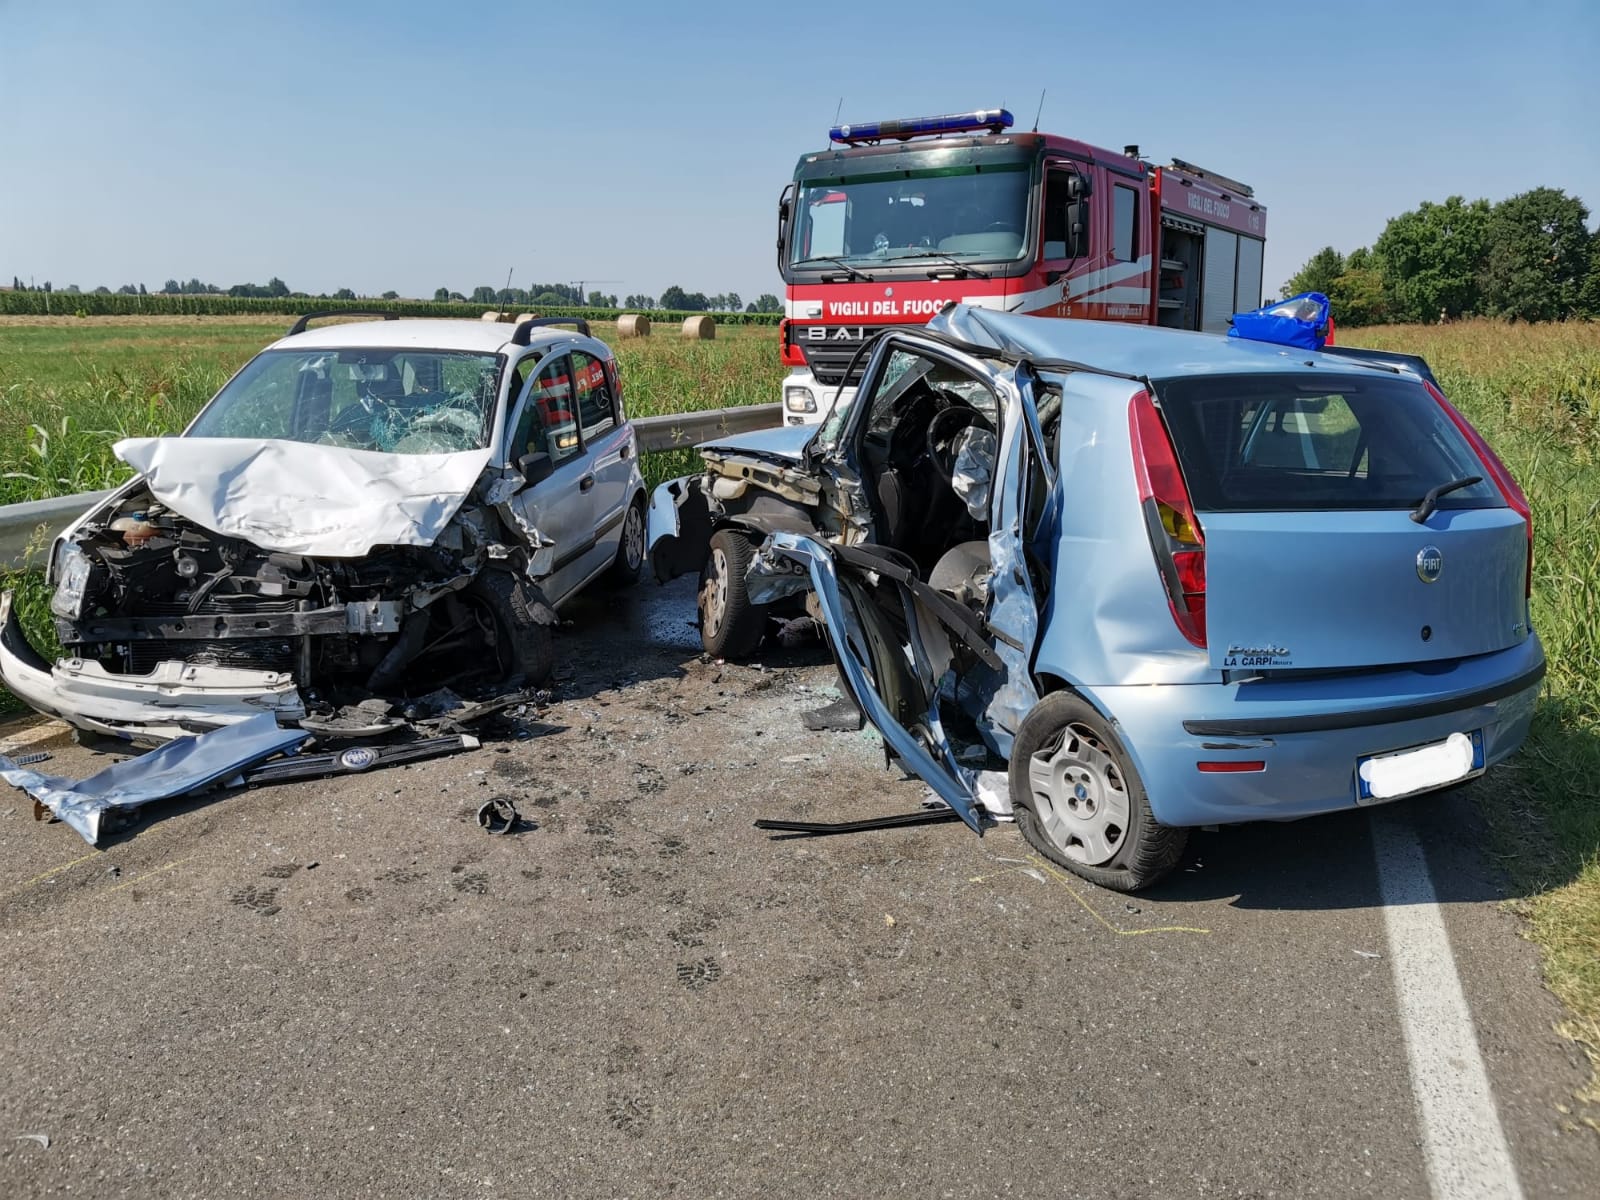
pixel 1079 186
pixel 1078 229
pixel 536 467
pixel 784 203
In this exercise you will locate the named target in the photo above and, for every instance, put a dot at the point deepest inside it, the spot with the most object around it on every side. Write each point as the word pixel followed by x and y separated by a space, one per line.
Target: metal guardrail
pixel 20 524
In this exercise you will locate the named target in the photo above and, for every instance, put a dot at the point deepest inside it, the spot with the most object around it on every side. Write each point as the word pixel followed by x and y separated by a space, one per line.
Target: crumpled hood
pixel 787 441
pixel 300 498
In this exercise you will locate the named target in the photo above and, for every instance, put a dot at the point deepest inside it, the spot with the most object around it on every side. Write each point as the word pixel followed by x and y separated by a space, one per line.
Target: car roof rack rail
pixel 300 325
pixel 524 329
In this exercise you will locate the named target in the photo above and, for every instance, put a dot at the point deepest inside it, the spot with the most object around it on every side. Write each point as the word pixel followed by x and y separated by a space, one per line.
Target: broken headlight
pixel 72 567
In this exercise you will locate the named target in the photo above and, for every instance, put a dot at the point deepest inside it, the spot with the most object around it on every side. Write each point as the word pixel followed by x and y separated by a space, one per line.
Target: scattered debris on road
pixel 499 815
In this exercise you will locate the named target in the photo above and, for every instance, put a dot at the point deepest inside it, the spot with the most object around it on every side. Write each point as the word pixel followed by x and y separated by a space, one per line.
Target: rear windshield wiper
pixel 1431 501
pixel 850 272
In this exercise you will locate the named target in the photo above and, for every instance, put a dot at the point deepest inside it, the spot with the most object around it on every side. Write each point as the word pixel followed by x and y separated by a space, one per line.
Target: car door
pixel 609 446
pixel 561 506
pixel 897 640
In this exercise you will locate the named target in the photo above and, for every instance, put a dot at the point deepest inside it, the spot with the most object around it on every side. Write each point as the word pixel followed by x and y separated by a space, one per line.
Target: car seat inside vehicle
pixel 919 424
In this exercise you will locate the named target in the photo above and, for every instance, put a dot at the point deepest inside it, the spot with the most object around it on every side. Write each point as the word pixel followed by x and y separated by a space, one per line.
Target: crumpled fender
pixel 678 528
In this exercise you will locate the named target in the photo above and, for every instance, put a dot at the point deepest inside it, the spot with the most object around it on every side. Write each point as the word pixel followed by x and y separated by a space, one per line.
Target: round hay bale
pixel 496 317
pixel 702 327
pixel 631 325
pixel 521 317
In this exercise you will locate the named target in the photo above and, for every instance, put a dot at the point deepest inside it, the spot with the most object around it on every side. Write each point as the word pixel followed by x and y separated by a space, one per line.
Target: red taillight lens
pixel 791 354
pixel 1514 497
pixel 1175 534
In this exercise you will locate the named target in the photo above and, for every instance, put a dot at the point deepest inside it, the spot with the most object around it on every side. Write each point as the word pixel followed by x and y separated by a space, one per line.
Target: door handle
pixel 586 483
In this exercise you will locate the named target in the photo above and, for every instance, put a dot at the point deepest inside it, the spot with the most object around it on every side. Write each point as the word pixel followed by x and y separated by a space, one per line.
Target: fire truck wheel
pixel 730 626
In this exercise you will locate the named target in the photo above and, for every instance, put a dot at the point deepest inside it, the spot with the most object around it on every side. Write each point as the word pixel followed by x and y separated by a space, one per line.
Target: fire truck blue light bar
pixel 992 119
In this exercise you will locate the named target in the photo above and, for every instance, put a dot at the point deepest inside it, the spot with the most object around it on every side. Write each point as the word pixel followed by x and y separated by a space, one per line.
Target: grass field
pixel 69 388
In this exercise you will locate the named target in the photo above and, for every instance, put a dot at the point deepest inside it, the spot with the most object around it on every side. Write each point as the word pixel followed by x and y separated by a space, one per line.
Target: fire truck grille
pixel 829 349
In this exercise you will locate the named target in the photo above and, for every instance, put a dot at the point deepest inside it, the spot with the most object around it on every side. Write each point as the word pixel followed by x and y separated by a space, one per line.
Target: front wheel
pixel 730 625
pixel 1080 802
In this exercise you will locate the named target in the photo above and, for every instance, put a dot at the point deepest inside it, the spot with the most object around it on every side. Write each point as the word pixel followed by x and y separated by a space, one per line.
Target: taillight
pixel 1515 500
pixel 1175 534
pixel 791 355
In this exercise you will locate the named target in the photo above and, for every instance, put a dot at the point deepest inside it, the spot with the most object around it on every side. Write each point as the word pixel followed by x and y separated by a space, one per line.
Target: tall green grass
pixel 1534 392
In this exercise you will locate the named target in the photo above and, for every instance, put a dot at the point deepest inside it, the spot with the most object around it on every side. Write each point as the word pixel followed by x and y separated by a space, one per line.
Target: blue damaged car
pixel 1164 579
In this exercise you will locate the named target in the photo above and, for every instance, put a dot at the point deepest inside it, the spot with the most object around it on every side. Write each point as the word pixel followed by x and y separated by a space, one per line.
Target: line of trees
pixel 539 295
pixel 1530 257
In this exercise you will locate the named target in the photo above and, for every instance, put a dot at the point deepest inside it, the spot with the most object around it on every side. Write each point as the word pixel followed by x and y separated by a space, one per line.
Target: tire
pixel 524 625
pixel 1103 829
pixel 629 564
pixel 730 626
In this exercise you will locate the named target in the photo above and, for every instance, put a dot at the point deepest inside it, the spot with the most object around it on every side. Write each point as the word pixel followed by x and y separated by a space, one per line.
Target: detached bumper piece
pixel 353 760
pixel 179 768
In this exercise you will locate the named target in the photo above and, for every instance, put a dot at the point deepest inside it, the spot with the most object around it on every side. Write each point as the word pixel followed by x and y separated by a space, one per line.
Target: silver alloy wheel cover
pixel 714 592
pixel 1079 796
pixel 633 537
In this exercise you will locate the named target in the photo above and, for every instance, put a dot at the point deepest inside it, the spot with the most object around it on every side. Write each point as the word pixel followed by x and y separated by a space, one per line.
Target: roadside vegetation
pixel 69 388
pixel 1534 392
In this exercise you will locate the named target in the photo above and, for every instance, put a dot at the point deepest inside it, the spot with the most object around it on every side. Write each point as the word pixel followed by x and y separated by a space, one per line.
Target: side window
pixel 1056 203
pixel 548 422
pixel 1124 224
pixel 596 408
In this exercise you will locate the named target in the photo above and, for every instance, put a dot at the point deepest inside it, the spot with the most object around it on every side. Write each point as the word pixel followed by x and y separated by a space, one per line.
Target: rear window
pixel 1277 443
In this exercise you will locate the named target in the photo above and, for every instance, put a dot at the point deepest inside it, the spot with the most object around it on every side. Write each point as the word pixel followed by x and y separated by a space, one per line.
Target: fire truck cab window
pixel 963 213
pixel 1056 203
pixel 1124 224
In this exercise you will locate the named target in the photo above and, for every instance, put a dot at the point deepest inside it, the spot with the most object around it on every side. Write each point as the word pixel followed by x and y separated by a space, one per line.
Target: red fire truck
pixel 898 218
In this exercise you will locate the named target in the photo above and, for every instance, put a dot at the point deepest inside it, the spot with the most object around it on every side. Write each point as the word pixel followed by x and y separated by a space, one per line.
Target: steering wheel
pixel 942 431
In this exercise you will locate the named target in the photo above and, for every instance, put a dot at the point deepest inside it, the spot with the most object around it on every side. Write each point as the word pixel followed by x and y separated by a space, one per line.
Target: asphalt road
pixel 348 989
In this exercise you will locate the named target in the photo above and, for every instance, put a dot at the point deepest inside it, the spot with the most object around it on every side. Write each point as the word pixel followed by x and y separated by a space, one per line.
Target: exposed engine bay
pixel 139 586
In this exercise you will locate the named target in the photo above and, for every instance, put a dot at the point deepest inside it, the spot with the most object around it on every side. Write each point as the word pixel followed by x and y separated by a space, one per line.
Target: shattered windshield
pixel 397 401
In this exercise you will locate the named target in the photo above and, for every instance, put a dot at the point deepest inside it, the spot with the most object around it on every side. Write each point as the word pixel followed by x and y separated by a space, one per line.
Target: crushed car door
pixel 882 623
pixel 904 648
pixel 557 508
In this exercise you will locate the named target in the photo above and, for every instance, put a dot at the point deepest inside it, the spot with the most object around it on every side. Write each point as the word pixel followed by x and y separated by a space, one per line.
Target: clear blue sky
pixel 412 145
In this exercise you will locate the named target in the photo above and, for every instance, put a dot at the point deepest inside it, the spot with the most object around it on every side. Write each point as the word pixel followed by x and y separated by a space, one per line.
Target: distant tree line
pixel 539 295
pixel 1531 257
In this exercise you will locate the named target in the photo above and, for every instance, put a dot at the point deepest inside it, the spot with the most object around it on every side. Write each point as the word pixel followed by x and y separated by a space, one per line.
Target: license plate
pixel 1381 777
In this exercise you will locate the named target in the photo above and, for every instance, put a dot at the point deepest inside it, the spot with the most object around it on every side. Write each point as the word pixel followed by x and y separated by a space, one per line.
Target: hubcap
pixel 1079 796
pixel 714 592
pixel 633 537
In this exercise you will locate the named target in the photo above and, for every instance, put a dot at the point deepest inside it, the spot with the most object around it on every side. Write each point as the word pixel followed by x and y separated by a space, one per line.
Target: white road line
pixel 1466 1149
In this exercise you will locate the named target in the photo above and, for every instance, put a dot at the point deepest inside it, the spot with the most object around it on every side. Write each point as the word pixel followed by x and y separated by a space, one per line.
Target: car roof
pixel 1143 351
pixel 479 337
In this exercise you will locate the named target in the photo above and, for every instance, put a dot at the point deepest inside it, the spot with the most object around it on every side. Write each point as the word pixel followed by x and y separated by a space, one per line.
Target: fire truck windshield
pixel 959 213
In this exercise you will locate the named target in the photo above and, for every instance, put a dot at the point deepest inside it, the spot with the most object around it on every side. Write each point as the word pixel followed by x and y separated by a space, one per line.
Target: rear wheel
pixel 730 626
pixel 1080 802
pixel 629 562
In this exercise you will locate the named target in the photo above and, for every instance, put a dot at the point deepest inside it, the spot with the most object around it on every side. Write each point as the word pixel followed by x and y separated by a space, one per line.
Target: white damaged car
pixel 366 510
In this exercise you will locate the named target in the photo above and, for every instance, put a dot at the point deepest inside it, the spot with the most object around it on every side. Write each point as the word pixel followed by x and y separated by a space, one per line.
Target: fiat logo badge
pixel 1430 561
